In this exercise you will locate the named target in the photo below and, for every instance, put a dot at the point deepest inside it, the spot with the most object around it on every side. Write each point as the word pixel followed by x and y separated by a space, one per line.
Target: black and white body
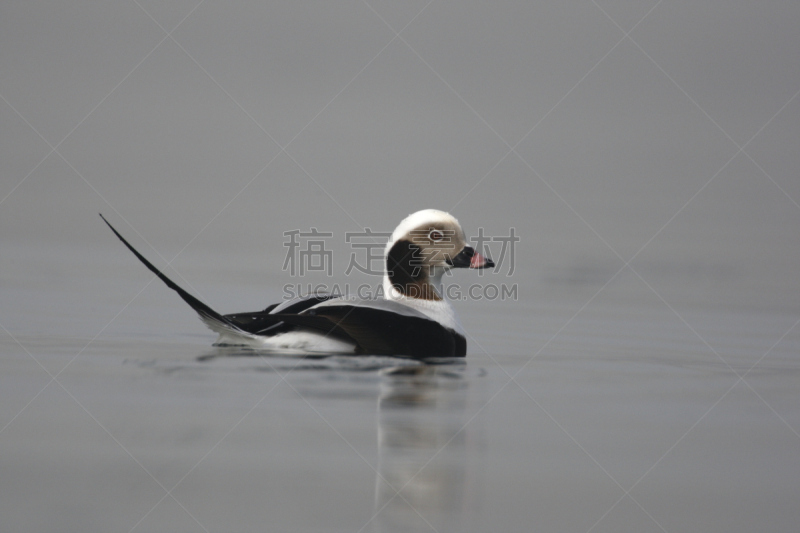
pixel 413 319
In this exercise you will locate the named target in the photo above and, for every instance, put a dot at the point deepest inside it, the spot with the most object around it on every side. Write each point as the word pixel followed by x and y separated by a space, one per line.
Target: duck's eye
pixel 436 235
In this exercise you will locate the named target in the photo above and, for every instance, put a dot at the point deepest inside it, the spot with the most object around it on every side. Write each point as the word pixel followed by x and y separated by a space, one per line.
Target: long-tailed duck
pixel 413 319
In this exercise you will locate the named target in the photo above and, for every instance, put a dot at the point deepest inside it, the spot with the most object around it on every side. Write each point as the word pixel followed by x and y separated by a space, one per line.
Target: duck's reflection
pixel 422 448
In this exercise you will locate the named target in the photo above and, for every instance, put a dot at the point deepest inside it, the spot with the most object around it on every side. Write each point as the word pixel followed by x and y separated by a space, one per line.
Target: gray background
pixel 646 154
pixel 673 148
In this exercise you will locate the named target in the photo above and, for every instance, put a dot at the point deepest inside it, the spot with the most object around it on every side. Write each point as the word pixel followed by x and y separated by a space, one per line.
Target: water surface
pixel 604 416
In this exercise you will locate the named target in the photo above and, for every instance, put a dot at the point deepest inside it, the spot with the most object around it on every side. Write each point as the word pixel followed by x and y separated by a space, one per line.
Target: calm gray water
pixel 565 416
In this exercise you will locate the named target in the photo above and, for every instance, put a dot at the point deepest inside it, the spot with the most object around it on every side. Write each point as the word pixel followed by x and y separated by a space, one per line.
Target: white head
pixel 422 248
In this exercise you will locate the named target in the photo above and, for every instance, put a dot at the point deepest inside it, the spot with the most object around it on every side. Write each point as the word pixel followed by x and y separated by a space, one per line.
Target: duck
pixel 413 318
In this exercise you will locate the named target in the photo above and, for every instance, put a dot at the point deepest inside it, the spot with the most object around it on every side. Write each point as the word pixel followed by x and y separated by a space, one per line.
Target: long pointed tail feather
pixel 211 318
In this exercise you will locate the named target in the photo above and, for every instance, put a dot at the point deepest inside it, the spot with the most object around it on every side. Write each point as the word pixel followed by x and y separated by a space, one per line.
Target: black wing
pixel 374 331
pixel 268 322
pixel 381 332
